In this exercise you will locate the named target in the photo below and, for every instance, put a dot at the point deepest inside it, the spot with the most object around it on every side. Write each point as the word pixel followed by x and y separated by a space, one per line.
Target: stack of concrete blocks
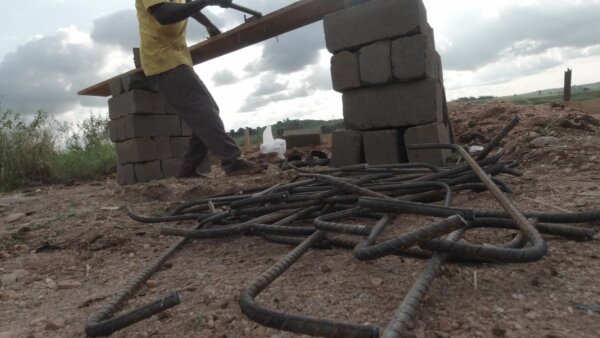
pixel 302 137
pixel 390 74
pixel 150 138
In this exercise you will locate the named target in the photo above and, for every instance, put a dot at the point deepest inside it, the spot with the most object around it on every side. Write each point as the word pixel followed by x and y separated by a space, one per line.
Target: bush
pixel 26 149
pixel 47 151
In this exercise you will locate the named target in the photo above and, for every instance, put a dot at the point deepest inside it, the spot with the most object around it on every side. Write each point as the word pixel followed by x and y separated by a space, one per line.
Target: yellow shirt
pixel 163 47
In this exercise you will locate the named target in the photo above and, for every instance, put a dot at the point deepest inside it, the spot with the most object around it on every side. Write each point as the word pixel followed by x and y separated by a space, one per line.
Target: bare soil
pixel 75 247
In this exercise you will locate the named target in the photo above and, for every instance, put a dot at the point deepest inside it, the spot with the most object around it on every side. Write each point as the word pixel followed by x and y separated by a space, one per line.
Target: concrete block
pixel 116 130
pixel 440 69
pixel 135 102
pixel 345 73
pixel 302 137
pixel 136 81
pixel 375 63
pixel 159 105
pixel 429 133
pixel 372 21
pixel 346 148
pixel 384 147
pixel 179 146
pixel 152 125
pixel 414 58
pixel 125 174
pixel 148 171
pixel 136 150
pixel 350 3
pixel 395 106
pixel 116 88
pixel 170 110
pixel 170 166
pixel 185 129
pixel 163 147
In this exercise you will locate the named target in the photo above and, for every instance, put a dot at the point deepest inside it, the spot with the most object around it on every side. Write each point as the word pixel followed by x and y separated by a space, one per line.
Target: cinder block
pixel 135 102
pixel 302 137
pixel 375 63
pixel 394 106
pixel 384 147
pixel 414 58
pixel 148 171
pixel 345 71
pixel 125 174
pixel 136 150
pixel 158 104
pixel 346 148
pixel 135 81
pixel 116 130
pixel 350 3
pixel 152 125
pixel 372 21
pixel 440 69
pixel 170 166
pixel 185 129
pixel 116 88
pixel 429 133
pixel 163 147
pixel 179 146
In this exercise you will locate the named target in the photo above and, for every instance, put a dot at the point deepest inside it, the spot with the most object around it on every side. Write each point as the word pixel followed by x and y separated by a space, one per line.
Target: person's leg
pixel 186 93
pixel 196 153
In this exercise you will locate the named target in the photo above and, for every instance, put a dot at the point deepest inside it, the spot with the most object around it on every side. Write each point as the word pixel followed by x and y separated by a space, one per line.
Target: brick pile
pixel 385 64
pixel 150 138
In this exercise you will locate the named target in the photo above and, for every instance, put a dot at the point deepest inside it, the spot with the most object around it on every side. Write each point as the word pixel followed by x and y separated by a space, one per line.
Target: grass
pixel 43 150
pixel 578 93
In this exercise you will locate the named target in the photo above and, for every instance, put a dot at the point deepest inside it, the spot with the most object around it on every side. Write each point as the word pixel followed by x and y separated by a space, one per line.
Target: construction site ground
pixel 76 247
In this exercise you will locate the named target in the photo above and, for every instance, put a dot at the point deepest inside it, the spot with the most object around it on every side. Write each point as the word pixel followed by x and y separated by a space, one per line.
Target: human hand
pixel 213 31
pixel 220 3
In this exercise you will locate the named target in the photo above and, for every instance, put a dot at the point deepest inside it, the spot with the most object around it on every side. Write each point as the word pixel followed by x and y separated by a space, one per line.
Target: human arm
pixel 167 13
pixel 210 27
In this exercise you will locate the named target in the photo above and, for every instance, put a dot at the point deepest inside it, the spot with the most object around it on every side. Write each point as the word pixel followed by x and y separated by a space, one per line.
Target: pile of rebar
pixel 328 209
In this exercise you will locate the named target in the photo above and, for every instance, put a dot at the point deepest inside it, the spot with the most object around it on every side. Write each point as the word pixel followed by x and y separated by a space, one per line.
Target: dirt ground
pixel 75 247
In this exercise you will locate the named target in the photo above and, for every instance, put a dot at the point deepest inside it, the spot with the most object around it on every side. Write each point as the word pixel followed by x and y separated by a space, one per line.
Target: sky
pixel 50 49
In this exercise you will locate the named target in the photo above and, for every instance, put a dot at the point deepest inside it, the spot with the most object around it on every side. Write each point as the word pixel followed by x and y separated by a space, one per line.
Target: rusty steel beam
pixel 294 16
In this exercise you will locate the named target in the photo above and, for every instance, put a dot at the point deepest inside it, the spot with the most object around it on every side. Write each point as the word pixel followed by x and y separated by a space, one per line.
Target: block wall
pixel 385 64
pixel 150 138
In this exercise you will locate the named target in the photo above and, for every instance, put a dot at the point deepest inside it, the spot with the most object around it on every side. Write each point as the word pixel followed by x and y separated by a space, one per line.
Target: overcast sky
pixel 50 49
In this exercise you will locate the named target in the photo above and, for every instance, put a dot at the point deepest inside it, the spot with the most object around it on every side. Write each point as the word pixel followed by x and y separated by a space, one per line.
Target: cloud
pixel 224 77
pixel 45 73
pixel 290 52
pixel 274 87
pixel 118 29
pixel 530 28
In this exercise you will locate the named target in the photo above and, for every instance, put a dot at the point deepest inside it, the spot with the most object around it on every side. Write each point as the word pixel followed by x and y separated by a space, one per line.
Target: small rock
pixel 8 295
pixel 4 254
pixel 533 135
pixel 376 281
pixel 14 217
pixel 151 283
pixel 68 284
pixel 13 334
pixel 498 331
pixel 54 325
pixel 444 325
pixel 13 277
pixel 50 283
pixel 544 141
pixel 325 268
pixel 531 315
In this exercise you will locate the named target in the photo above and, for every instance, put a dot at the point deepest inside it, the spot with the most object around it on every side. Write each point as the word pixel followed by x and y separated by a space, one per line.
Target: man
pixel 168 65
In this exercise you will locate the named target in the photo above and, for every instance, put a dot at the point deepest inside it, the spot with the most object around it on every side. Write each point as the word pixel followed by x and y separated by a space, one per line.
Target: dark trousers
pixel 186 93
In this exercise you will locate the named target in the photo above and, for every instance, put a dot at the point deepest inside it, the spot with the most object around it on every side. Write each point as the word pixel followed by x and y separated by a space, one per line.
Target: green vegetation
pixel 287 124
pixel 44 150
pixel 578 93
